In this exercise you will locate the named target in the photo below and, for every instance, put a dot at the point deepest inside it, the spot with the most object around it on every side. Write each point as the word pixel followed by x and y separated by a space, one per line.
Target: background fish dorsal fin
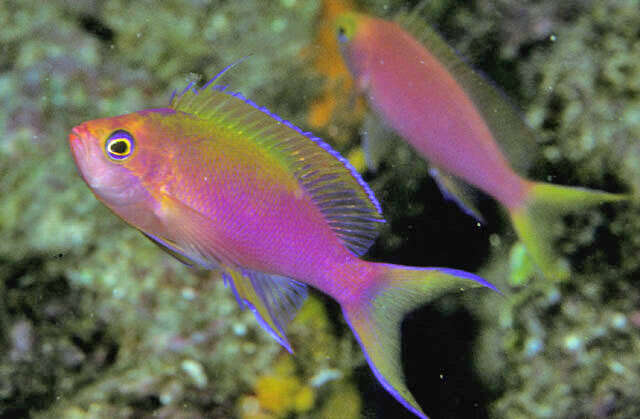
pixel 506 124
pixel 344 199
pixel 273 299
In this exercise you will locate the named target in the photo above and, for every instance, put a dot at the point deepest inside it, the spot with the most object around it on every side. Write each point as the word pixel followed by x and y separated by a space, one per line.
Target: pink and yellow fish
pixel 422 90
pixel 221 183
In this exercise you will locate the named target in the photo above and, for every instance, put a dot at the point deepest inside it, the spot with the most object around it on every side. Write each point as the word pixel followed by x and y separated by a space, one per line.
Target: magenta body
pixel 223 200
pixel 265 220
pixel 236 188
pixel 417 96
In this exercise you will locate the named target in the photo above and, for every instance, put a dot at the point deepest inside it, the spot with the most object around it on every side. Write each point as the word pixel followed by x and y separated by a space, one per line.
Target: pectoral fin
pixel 171 248
pixel 377 141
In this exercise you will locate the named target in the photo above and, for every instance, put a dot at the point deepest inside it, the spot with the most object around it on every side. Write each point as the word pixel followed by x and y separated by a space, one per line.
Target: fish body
pixel 221 183
pixel 453 118
pixel 188 172
pixel 423 102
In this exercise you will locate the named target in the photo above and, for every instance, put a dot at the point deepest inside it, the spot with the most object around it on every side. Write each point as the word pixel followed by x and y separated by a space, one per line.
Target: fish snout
pixel 75 142
pixel 77 133
pixel 80 152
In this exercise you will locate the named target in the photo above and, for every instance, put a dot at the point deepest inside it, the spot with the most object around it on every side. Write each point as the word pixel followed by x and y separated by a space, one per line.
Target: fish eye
pixel 119 145
pixel 342 34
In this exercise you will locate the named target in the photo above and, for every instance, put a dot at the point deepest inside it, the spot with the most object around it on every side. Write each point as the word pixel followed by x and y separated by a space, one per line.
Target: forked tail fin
pixel 376 318
pixel 544 205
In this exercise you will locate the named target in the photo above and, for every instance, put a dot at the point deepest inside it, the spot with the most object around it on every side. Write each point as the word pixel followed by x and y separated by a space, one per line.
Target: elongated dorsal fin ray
pixel 273 299
pixel 346 202
pixel 506 124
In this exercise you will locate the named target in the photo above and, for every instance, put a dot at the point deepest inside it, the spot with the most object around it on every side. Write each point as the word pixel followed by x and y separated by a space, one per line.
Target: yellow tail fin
pixel 376 318
pixel 545 204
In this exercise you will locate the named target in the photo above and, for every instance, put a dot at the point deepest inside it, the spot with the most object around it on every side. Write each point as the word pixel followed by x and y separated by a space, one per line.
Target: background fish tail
pixel 376 318
pixel 544 205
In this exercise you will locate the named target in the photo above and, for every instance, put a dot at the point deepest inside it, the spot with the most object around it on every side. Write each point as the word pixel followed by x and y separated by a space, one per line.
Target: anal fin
pixel 457 191
pixel 273 299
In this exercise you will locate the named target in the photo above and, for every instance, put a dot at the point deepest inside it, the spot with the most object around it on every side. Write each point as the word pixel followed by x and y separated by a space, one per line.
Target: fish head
pixel 118 158
pixel 351 32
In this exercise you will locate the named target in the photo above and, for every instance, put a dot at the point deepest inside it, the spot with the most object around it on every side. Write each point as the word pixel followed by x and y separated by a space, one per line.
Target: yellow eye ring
pixel 119 145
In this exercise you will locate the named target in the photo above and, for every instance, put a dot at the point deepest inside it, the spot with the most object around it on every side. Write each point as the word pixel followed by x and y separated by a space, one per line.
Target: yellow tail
pixel 544 205
pixel 376 318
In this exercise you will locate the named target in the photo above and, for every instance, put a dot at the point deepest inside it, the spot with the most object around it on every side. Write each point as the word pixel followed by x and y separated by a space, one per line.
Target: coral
pixel 345 400
pixel 283 392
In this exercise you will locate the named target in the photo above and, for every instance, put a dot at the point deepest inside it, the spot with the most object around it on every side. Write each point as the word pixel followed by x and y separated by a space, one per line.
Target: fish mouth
pixel 76 135
pixel 76 144
pixel 79 151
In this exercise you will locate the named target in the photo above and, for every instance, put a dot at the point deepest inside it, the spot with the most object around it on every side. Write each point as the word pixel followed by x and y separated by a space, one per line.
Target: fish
pixel 224 184
pixel 328 64
pixel 419 88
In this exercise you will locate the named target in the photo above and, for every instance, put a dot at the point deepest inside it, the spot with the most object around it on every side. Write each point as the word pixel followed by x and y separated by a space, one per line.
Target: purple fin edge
pixel 224 70
pixel 228 281
pixel 268 328
pixel 162 243
pixel 381 379
pixel 450 271
pixel 387 386
pixel 466 275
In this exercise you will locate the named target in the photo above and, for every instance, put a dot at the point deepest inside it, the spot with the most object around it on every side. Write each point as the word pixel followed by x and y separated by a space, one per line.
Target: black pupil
pixel 341 31
pixel 119 147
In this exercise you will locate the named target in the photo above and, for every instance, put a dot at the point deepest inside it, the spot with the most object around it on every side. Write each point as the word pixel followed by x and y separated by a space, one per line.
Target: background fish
pixel 223 184
pixel 422 90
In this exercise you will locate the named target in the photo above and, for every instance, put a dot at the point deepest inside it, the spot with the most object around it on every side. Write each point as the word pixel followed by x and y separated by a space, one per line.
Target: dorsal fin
pixel 507 126
pixel 344 199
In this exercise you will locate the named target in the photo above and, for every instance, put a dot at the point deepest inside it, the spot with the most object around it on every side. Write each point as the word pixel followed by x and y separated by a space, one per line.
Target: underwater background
pixel 96 322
